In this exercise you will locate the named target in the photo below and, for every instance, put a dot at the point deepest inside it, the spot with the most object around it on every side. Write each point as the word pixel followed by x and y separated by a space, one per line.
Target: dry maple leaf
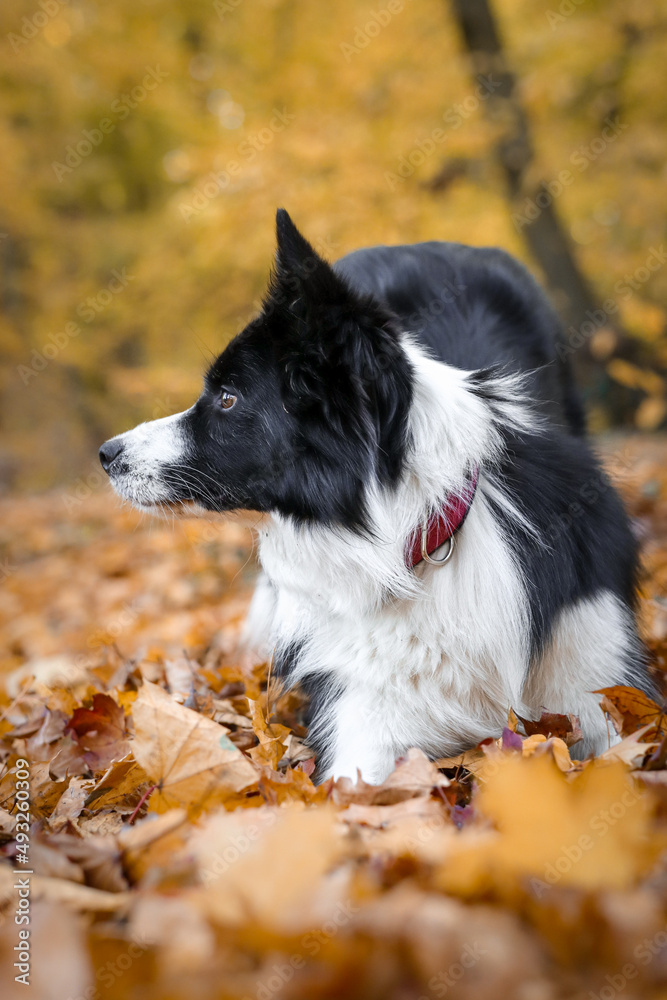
pixel 565 727
pixel 61 671
pixel 50 861
pixel 120 788
pixel 175 927
pixel 154 847
pixel 94 737
pixel 477 952
pixel 413 775
pixel 68 760
pixel 68 894
pixel 631 709
pixel 272 738
pixel 190 758
pixel 42 730
pixel 419 828
pixel 538 744
pixel 474 761
pixel 292 785
pixel 99 857
pixel 630 751
pixel 179 677
pixel 71 803
pixel 99 732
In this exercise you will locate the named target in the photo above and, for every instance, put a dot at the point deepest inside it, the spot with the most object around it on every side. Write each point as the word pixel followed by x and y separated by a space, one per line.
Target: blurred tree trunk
pixel 545 236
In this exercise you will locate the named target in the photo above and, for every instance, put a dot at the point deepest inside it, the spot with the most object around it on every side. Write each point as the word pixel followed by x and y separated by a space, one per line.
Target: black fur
pixel 322 693
pixel 474 308
pixel 321 391
pixel 584 543
pixel 478 309
pixel 324 391
pixel 324 394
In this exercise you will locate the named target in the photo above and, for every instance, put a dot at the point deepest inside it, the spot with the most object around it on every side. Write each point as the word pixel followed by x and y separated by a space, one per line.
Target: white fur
pixel 431 657
pixel 591 642
pixel 147 448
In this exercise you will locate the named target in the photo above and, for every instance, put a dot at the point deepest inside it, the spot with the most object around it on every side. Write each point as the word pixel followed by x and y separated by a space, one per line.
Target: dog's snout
pixel 109 451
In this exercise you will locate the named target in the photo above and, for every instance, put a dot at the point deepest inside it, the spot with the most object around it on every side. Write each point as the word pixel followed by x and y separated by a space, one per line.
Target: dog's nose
pixel 110 450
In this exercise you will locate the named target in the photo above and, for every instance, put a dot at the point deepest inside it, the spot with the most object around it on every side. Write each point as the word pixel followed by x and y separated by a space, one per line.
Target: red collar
pixel 443 524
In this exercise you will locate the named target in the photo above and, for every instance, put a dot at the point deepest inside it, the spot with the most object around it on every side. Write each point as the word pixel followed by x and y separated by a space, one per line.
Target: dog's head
pixel 304 410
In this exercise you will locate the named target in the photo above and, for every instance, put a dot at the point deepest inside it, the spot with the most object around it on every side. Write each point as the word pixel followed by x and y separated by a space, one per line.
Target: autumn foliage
pixel 136 232
pixel 181 848
pixel 178 845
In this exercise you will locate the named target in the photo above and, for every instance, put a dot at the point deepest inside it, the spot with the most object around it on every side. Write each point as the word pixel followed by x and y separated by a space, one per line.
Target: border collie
pixel 440 544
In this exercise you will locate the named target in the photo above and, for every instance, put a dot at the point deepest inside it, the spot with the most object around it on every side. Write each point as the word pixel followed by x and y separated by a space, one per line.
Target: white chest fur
pixel 437 667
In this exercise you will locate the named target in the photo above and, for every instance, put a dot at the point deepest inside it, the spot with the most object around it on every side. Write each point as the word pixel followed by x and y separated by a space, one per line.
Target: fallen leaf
pixel 629 751
pixel 71 803
pixel 7 824
pixel 150 829
pixel 298 752
pixel 417 827
pixel 189 757
pixel 413 775
pixel 52 671
pixel 451 944
pixel 590 832
pixel 49 860
pixel 266 867
pixel 120 788
pixel 565 727
pixel 630 709
pixel 511 740
pixel 98 856
pixel 292 785
pixel 68 760
pixel 69 894
pixel 61 964
pixel 474 760
pixel 177 928
pixel 99 732
pixel 272 738
pixel 179 677
pixel 557 748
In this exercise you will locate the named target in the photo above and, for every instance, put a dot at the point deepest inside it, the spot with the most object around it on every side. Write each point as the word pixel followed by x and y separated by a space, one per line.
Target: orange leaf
pixel 630 709
pixel 272 738
pixel 94 737
pixel 564 727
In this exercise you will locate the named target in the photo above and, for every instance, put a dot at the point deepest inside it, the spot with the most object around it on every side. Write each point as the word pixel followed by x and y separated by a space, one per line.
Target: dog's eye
pixel 227 400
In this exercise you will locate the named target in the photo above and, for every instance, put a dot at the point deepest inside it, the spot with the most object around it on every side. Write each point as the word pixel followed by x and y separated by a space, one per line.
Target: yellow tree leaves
pixel 365 106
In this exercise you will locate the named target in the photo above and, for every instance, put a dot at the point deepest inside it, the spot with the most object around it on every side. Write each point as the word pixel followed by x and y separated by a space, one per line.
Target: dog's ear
pixel 339 351
pixel 300 271
pixel 317 306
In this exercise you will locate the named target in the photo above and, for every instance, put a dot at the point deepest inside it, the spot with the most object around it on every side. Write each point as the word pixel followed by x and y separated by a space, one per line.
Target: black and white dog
pixel 439 543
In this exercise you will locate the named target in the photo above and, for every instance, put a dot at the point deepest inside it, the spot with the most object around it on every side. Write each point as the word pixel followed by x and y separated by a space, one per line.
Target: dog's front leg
pixel 360 741
pixel 256 637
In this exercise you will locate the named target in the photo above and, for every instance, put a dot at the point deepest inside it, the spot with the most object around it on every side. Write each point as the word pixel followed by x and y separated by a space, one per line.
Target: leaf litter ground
pixel 180 848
